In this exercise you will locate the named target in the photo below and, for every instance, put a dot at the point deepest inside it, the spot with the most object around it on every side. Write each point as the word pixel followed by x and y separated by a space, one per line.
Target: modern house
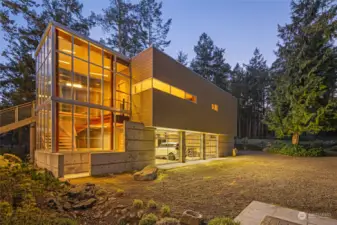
pixel 101 112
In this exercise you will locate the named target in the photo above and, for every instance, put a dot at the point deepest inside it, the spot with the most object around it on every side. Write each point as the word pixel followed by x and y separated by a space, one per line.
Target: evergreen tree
pixel 305 71
pixel 203 61
pixel 153 27
pixel 121 22
pixel 210 63
pixel 221 69
pixel 182 58
pixel 17 72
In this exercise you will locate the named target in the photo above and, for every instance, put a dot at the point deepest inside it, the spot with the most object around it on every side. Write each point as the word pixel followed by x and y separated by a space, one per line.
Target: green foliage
pixel 20 185
pixel 152 204
pixel 165 210
pixel 305 71
pixel 64 221
pixel 182 58
pixel 149 219
pixel 119 192
pixel 137 204
pixel 295 150
pixel 210 63
pixel 133 27
pixel 223 221
pixel 18 67
pixel 168 221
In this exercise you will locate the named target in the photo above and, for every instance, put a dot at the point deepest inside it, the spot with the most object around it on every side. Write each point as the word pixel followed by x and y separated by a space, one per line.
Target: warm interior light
pixel 66 50
pixel 65 62
pixel 98 74
pixel 107 67
pixel 74 85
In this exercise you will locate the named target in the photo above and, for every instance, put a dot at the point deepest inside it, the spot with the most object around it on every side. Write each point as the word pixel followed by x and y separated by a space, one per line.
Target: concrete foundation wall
pixel 139 152
pixel 76 162
pixel 53 162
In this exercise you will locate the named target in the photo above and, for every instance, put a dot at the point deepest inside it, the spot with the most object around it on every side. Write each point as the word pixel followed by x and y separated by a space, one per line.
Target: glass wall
pixel 92 94
pixel 43 94
pixel 97 83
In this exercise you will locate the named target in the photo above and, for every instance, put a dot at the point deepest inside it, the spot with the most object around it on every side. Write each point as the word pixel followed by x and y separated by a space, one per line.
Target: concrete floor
pixel 256 211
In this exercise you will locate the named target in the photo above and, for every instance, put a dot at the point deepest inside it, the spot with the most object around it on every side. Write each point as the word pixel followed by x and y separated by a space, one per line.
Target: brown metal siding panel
pixel 173 112
pixel 142 68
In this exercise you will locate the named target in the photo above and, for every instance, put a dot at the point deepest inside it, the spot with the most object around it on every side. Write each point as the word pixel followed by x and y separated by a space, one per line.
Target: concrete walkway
pixel 256 211
pixel 195 162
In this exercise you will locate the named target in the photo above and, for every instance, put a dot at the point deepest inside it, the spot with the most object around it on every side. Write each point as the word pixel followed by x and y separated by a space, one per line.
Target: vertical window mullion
pixel 88 99
pixel 102 102
pixel 72 95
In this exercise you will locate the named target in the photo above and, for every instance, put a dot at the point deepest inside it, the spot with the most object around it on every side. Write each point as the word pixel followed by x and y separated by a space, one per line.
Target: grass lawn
pixel 225 188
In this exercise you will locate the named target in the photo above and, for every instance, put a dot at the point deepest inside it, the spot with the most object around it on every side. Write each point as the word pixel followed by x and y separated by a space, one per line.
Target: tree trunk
pixel 295 139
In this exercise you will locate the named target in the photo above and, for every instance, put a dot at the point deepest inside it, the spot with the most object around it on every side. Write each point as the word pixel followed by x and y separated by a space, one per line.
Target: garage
pixel 167 146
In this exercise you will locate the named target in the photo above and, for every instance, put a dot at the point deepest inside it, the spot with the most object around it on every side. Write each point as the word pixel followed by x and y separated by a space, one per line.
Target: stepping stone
pixel 269 220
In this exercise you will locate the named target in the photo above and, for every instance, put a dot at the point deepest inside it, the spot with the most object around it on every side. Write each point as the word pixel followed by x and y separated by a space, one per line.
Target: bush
pixel 152 204
pixel 149 219
pixel 119 192
pixel 101 192
pixel 64 221
pixel 165 210
pixel 223 221
pixel 168 221
pixel 295 150
pixel 137 204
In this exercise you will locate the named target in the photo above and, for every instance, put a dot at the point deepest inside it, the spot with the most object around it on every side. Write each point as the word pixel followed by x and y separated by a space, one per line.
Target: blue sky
pixel 236 25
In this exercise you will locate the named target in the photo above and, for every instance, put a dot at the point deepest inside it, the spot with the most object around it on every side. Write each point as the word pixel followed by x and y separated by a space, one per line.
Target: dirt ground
pixel 226 187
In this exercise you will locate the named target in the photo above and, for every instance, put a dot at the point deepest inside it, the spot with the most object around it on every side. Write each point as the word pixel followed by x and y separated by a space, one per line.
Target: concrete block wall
pixel 139 152
pixel 76 162
pixel 53 162
pixel 225 145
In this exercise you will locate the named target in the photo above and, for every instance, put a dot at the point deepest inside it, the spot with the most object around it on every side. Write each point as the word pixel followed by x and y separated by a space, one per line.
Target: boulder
pixel 12 158
pixel 85 204
pixel 74 192
pixel 147 174
pixel 190 217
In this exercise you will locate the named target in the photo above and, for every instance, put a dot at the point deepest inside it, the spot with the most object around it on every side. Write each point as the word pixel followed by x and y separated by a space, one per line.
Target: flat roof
pixel 62 27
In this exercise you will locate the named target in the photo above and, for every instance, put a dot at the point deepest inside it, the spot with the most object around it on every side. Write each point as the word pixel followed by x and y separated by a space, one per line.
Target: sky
pixel 239 26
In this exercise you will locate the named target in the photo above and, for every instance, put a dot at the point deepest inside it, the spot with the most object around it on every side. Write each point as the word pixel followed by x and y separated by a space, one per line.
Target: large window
pixel 164 87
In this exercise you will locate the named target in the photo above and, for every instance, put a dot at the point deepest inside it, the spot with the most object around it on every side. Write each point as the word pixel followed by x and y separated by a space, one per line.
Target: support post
pixel 182 146
pixel 203 145
pixel 32 141
pixel 16 114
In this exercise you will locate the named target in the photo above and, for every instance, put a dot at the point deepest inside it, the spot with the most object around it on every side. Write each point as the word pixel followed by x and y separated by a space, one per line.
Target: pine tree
pixel 17 72
pixel 305 71
pixel 221 69
pixel 153 27
pixel 182 58
pixel 121 22
pixel 210 63
pixel 203 61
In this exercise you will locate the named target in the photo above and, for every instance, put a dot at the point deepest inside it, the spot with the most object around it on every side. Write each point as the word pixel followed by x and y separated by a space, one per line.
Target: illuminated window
pixel 80 48
pixel 215 107
pixel 95 55
pixel 161 86
pixel 177 92
pixel 164 87
pixel 122 67
pixel 190 97
pixel 64 42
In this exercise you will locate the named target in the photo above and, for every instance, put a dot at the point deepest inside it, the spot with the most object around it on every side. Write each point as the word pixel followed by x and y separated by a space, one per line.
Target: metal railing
pixel 15 114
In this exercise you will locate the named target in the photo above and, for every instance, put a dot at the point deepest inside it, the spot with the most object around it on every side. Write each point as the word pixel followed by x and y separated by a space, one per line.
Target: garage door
pixel 211 145
pixel 193 146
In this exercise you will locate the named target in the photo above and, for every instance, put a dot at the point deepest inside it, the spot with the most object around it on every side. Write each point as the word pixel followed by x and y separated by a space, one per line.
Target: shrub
pixel 152 204
pixel 101 192
pixel 295 150
pixel 137 203
pixel 165 210
pixel 64 221
pixel 223 221
pixel 6 211
pixel 119 192
pixel 168 221
pixel 149 219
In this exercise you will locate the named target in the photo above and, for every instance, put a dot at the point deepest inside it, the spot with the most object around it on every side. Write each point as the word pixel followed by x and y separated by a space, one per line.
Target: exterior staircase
pixel 17 116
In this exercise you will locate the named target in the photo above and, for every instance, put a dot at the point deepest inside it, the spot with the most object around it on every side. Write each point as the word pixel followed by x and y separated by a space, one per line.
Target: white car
pixel 168 150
